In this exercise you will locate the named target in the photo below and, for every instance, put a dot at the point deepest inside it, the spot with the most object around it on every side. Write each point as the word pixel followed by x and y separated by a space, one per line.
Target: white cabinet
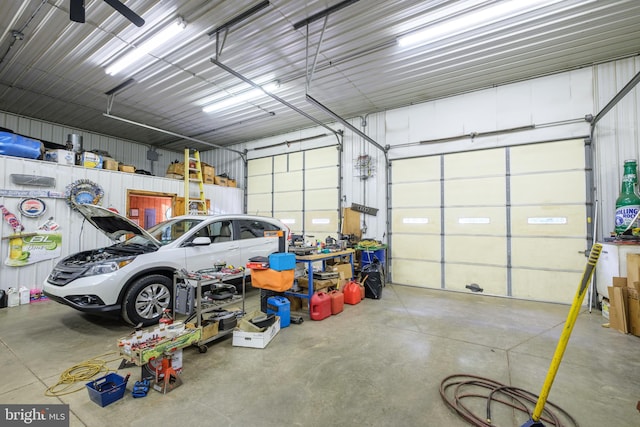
pixel 612 263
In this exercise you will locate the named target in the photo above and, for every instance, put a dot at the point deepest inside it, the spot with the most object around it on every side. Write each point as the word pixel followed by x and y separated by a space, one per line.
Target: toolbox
pixel 282 261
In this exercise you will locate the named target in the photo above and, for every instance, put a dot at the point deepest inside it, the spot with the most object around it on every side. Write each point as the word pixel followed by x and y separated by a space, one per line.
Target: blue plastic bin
pixel 107 389
pixel 19 146
pixel 368 257
pixel 280 306
pixel 282 261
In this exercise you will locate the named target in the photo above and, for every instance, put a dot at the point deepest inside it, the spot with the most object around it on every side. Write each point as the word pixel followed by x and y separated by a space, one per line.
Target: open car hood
pixel 113 225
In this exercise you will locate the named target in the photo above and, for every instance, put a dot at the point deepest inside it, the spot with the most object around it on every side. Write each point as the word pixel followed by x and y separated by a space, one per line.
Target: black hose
pixel 456 390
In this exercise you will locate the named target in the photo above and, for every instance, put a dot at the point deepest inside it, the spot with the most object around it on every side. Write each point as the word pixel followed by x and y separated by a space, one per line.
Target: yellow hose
pixel 84 371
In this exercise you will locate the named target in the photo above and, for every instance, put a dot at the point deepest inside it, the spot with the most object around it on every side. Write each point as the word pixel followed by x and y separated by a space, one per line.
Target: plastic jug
pixel 352 293
pixel 25 296
pixel 337 301
pixel 13 299
pixel 281 307
pixel 320 306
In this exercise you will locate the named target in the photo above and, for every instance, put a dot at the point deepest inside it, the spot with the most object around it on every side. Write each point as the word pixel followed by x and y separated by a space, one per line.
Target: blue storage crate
pixel 107 389
pixel 281 307
pixel 282 261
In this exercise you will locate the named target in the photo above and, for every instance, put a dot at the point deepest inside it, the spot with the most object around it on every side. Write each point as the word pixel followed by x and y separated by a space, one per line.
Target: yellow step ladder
pixel 193 206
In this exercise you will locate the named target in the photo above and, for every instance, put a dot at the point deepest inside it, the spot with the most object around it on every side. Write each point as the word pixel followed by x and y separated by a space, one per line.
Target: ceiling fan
pixel 76 11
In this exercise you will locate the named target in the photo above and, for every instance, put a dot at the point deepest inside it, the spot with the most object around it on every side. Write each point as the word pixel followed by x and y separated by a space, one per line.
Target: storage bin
pixel 278 281
pixel 106 390
pixel 20 146
pixel 368 257
pixel 282 261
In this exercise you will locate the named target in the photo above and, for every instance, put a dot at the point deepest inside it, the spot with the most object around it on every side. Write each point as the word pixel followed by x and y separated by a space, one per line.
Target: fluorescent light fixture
pixel 320 221
pixel 235 99
pixel 543 220
pixel 415 220
pixel 138 52
pixel 474 220
pixel 475 18
pixel 287 220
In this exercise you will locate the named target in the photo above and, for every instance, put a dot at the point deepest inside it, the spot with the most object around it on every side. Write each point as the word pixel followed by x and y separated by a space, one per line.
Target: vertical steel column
pixel 442 228
pixel 507 157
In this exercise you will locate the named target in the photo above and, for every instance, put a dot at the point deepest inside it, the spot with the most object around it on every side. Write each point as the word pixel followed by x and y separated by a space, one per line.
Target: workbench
pixel 308 260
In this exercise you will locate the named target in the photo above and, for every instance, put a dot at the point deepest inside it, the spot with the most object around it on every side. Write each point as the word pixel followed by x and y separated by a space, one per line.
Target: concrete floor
pixel 378 363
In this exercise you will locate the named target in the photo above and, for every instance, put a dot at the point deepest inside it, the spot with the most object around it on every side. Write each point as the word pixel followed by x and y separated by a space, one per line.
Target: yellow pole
pixel 566 333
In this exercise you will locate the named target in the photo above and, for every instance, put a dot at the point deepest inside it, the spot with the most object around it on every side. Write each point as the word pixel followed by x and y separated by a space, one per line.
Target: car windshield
pixel 167 231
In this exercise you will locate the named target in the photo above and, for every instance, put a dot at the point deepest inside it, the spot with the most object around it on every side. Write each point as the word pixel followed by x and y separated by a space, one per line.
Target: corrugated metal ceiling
pixel 56 70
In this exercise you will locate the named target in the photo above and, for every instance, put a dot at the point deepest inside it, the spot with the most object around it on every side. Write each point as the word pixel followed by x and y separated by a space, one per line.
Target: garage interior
pixel 480 146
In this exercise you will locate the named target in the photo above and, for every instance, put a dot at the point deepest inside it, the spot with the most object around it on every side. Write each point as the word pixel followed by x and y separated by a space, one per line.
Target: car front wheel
pixel 146 299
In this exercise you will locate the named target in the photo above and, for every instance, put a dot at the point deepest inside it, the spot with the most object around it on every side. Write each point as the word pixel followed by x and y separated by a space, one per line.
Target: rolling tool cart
pixel 202 296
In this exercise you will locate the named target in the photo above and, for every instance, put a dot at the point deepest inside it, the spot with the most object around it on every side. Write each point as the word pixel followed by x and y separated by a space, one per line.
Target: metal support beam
pixel 277 98
pixel 168 132
pixel 354 129
pixel 315 57
pixel 323 13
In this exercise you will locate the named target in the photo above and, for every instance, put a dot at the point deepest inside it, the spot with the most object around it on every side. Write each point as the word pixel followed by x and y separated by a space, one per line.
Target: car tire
pixel 146 298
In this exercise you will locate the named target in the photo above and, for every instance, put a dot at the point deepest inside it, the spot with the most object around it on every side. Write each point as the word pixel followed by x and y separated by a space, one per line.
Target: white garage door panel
pixel 259 204
pixel 416 194
pixel 259 184
pixel 321 157
pixel 287 162
pixel 548 253
pixel 320 178
pixel 287 201
pixel 558 187
pixel 491 279
pixel 419 220
pixel 476 250
pixel 561 155
pixel 318 221
pixel 544 285
pixel 320 199
pixel 476 164
pixel 474 221
pixel 293 219
pixel 413 246
pixel 560 220
pixel 475 191
pixel 288 181
pixel 259 167
pixel 417 273
pixel 412 170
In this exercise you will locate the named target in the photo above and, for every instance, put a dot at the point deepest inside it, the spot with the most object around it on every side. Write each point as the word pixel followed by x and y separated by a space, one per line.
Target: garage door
pixel 511 220
pixel 301 189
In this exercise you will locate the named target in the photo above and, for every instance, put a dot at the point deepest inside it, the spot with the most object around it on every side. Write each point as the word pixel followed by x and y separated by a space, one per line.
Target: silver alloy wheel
pixel 152 300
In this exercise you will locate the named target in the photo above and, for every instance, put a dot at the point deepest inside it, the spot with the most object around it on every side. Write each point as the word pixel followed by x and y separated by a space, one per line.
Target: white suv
pixel 134 277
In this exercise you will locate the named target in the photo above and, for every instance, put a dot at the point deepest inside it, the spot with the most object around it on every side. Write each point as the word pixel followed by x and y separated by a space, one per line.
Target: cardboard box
pixel 176 169
pixel 174 176
pixel 318 284
pixel 618 317
pixel 255 339
pixel 91 160
pixel 208 170
pixel 208 331
pixel 127 168
pixel 633 269
pixel 209 179
pixel 220 180
pixel 231 183
pixel 62 157
pixel 110 164
pixel 343 268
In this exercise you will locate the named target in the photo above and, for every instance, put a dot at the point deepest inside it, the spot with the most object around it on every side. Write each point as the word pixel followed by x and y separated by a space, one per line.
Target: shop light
pixel 238 98
pixel 288 221
pixel 474 18
pixel 153 43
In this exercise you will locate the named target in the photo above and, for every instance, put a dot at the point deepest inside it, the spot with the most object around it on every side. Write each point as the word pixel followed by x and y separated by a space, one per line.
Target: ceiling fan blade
pixel 126 12
pixel 76 10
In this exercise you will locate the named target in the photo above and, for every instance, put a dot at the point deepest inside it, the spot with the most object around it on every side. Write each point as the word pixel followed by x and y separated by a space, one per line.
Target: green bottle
pixel 628 203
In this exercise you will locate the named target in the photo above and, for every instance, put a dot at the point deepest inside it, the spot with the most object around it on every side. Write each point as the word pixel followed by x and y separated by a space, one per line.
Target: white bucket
pixel 13 299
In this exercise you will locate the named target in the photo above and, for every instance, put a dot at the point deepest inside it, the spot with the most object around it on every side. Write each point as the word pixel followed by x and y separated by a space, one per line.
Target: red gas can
pixel 320 306
pixel 337 301
pixel 352 294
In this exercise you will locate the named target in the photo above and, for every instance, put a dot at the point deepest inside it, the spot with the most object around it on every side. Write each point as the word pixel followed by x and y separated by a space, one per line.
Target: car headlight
pixel 107 267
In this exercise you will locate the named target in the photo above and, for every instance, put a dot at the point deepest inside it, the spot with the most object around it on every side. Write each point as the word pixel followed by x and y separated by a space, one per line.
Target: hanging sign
pixel 29 248
pixel 32 208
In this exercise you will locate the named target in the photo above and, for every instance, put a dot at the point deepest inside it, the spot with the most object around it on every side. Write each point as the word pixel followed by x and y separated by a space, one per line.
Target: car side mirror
pixel 201 241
